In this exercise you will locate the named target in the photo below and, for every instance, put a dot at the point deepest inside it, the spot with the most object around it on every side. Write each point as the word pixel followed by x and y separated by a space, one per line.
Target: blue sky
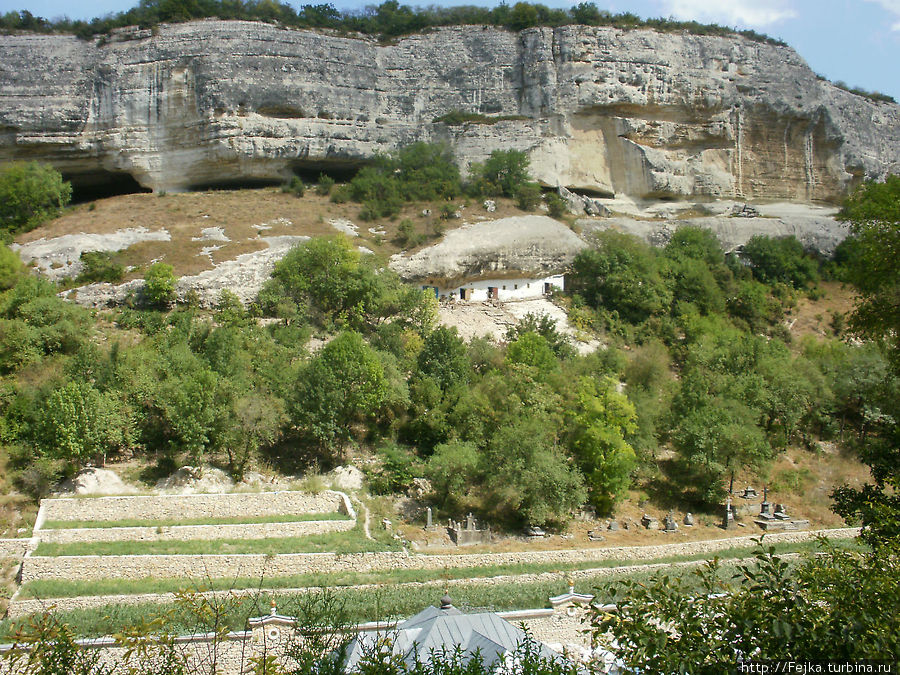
pixel 857 41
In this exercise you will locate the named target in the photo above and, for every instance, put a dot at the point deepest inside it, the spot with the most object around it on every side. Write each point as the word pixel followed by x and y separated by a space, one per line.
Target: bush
pixel 11 268
pixel 528 196
pixel 100 267
pixel 406 232
pixel 294 187
pixel 503 173
pixel 780 260
pixel 325 184
pixel 30 194
pixel 556 206
pixel 159 285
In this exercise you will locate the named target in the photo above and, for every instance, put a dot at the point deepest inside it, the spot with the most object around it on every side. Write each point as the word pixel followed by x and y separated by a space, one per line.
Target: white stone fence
pixel 182 507
pixel 191 532
pixel 257 565
pixel 13 548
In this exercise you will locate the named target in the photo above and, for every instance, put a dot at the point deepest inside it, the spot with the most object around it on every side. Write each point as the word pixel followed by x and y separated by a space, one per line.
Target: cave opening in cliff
pixel 100 184
pixel 341 172
pixel 235 184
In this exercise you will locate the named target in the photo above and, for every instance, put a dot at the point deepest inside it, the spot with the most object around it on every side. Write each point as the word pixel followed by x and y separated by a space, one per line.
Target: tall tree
pixel 873 212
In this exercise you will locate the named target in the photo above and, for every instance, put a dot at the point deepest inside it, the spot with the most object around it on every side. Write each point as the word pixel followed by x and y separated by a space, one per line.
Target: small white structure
pixel 481 290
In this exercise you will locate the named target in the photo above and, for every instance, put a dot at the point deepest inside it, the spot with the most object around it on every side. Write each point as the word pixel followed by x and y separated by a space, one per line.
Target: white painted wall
pixel 507 289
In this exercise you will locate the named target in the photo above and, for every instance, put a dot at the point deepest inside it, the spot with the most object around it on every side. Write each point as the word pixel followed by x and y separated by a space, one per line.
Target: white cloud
pixel 756 13
pixel 893 7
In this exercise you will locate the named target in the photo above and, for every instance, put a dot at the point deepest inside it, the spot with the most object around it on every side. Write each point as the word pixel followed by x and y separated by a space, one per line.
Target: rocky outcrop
pixel 815 227
pixel 530 246
pixel 605 110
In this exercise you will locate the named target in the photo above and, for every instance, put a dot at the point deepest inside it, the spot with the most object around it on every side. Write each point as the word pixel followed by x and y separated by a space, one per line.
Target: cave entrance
pixel 342 171
pixel 235 184
pixel 100 184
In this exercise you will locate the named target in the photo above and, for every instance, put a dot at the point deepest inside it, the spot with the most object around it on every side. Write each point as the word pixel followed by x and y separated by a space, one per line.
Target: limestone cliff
pixel 629 112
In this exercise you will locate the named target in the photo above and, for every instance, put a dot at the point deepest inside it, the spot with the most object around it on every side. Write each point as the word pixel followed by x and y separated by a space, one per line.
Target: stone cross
pixel 470 522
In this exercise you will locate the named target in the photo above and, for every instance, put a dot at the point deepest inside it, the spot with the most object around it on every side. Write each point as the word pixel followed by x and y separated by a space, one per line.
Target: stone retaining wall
pixel 13 548
pixel 225 505
pixel 189 532
pixel 18 608
pixel 258 565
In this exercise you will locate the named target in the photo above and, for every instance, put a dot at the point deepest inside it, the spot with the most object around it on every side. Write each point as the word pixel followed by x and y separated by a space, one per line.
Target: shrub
pixel 324 185
pixel 100 267
pixel 528 196
pixel 159 284
pixel 504 172
pixel 556 206
pixel 30 194
pixel 294 187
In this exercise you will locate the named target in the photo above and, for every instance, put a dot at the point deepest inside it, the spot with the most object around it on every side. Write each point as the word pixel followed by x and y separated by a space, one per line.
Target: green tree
pixel 159 284
pixel 30 194
pixel 258 420
pixel 841 606
pixel 341 386
pixel 528 196
pixel 428 171
pixel 621 274
pixel 453 470
pixel 504 172
pixel 780 260
pixel 599 424
pixel 523 15
pixel 528 480
pixel 873 212
pixel 11 268
pixel 531 349
pixel 78 424
pixel 444 357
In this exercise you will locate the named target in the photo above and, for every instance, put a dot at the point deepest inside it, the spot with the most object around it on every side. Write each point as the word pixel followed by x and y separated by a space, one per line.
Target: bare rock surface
pixel 59 257
pixel 814 226
pixel 347 478
pixel 95 481
pixel 477 319
pixel 244 276
pixel 532 245
pixel 599 109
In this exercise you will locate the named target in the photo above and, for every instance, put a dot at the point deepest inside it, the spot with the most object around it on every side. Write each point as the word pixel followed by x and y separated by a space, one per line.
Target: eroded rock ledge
pixel 614 112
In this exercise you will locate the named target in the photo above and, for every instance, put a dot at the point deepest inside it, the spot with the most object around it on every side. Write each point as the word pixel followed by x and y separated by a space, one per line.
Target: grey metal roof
pixel 435 630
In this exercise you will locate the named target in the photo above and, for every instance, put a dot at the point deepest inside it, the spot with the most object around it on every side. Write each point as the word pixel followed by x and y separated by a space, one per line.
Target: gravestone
pixel 467 534
pixel 689 519
pixel 595 535
pixel 428 523
pixel 728 519
pixel 613 526
pixel 781 512
pixel 669 524
pixel 765 509
pixel 649 522
pixel 749 493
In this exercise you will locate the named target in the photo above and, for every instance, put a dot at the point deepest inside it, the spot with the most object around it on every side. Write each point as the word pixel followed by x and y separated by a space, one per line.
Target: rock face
pixel 815 227
pixel 534 246
pixel 605 110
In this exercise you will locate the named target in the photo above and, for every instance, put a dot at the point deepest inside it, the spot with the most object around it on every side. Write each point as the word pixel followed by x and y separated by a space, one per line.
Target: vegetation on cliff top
pixel 387 20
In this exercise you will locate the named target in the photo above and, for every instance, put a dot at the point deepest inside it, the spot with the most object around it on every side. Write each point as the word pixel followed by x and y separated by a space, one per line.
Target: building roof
pixel 445 629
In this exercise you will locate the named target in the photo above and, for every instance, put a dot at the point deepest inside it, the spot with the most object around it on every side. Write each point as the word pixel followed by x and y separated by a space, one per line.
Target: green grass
pixel 169 522
pixel 353 605
pixel 56 588
pixel 352 541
